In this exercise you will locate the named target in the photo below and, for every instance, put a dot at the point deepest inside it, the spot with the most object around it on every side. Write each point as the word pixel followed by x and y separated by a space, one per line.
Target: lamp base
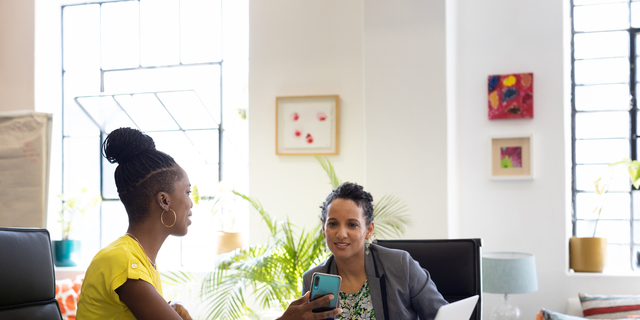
pixel 505 311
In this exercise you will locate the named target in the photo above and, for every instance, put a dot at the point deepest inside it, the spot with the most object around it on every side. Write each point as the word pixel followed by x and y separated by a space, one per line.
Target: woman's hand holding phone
pixel 301 310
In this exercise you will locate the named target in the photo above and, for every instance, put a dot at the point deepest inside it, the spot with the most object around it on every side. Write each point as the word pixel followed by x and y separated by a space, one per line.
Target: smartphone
pixel 323 284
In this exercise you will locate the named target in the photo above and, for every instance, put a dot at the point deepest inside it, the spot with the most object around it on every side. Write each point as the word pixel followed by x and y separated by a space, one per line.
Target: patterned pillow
pixel 67 293
pixel 545 314
pixel 609 307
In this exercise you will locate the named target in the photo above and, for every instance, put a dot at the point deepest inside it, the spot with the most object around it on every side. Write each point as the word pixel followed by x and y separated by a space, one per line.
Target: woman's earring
pixel 175 218
pixel 367 243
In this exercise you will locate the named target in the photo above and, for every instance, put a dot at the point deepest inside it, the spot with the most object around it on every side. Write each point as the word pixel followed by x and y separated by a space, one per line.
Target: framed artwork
pixel 511 157
pixel 511 96
pixel 307 125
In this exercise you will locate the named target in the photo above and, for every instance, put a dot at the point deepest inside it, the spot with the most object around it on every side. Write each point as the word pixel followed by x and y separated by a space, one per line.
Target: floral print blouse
pixel 357 306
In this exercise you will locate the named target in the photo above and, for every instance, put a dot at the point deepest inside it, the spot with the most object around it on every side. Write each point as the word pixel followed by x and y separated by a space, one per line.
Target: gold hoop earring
pixel 175 218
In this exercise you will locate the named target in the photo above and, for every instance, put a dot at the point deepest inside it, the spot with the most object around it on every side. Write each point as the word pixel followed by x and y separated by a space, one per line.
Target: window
pixel 178 71
pixel 605 123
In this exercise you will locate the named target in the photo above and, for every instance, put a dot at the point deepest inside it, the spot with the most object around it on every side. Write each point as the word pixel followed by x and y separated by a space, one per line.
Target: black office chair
pixel 454 265
pixel 27 278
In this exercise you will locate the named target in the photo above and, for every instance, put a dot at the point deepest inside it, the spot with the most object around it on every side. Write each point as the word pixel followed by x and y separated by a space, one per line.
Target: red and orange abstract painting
pixel 511 96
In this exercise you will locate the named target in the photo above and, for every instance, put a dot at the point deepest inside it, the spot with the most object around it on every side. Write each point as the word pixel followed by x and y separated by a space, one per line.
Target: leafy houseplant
pixel 588 254
pixel 273 271
pixel 72 207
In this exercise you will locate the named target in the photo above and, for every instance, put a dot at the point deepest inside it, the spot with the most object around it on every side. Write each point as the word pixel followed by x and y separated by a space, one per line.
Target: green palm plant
pixel 273 271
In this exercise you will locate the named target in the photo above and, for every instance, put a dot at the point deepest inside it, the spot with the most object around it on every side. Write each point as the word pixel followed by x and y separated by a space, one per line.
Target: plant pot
pixel 66 253
pixel 228 241
pixel 587 254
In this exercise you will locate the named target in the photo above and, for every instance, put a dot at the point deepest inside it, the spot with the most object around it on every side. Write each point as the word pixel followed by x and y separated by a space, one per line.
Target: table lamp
pixel 507 273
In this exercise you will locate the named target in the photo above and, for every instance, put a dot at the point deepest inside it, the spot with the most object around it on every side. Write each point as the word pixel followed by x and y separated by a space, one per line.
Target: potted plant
pixel 227 236
pixel 66 251
pixel 273 271
pixel 589 254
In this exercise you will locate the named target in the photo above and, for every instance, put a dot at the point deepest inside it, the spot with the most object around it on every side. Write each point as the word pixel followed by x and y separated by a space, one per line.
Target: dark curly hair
pixel 142 170
pixel 354 192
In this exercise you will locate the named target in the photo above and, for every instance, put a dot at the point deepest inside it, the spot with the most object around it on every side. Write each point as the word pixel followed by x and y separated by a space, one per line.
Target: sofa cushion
pixel 595 306
pixel 545 314
pixel 67 294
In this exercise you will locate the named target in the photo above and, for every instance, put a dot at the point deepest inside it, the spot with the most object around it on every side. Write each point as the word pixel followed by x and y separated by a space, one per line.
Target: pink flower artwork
pixel 307 125
pixel 511 157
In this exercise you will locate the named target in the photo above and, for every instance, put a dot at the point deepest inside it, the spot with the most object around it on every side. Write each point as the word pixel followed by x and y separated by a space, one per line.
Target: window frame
pixel 633 125
pixel 103 71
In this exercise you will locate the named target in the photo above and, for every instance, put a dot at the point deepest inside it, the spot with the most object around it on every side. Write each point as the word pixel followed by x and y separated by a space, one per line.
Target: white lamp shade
pixel 509 272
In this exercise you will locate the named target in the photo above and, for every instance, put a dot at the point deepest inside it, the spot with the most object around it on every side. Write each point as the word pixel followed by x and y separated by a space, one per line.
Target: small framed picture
pixel 511 96
pixel 308 125
pixel 511 157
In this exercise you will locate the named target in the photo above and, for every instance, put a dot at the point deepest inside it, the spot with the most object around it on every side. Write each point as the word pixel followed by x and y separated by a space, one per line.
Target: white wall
pixel 302 48
pixel 405 109
pixel 370 53
pixel 498 37
pixel 16 54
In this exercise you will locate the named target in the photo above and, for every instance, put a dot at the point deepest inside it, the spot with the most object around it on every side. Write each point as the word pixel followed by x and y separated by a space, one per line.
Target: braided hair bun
pixel 123 144
pixel 142 170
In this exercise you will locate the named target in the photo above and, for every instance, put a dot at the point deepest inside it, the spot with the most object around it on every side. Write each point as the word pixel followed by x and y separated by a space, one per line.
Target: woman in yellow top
pixel 122 281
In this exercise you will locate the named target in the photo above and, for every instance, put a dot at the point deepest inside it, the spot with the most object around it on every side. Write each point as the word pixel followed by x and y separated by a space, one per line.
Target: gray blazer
pixel 409 292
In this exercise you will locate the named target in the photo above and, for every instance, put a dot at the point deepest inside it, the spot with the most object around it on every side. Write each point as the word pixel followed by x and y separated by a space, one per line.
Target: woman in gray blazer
pixel 377 283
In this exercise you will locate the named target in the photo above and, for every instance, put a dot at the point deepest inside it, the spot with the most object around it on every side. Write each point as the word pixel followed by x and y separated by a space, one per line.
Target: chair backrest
pixel 454 265
pixel 27 278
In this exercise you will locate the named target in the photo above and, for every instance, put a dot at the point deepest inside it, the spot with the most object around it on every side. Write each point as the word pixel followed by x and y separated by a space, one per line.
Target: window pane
pixel 603 97
pixel 79 165
pixel 615 206
pixel 616 178
pixel 147 112
pixel 120 47
pixel 178 146
pixel 201 239
pixel 635 14
pixel 602 71
pixel 204 80
pixel 602 125
pixel 601 151
pixel 636 234
pixel 77 83
pixel 81 35
pixel 106 112
pixel 236 30
pixel 601 17
pixel 618 258
pixel 159 32
pixel 614 231
pixel 583 2
pixel 206 142
pixel 114 221
pixel 109 190
pixel 85 231
pixel 170 256
pixel 200 26
pixel 187 109
pixel 601 45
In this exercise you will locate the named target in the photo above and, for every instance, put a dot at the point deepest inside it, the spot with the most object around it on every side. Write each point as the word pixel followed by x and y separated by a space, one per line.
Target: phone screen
pixel 323 284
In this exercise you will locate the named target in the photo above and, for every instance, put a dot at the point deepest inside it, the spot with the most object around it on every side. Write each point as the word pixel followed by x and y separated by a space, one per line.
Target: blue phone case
pixel 323 284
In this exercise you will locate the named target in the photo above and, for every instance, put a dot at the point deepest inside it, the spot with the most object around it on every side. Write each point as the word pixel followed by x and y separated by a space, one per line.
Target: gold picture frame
pixel 308 125
pixel 512 157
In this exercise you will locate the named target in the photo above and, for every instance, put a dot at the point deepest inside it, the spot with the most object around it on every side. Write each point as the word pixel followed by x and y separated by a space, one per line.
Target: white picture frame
pixel 308 125
pixel 511 157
